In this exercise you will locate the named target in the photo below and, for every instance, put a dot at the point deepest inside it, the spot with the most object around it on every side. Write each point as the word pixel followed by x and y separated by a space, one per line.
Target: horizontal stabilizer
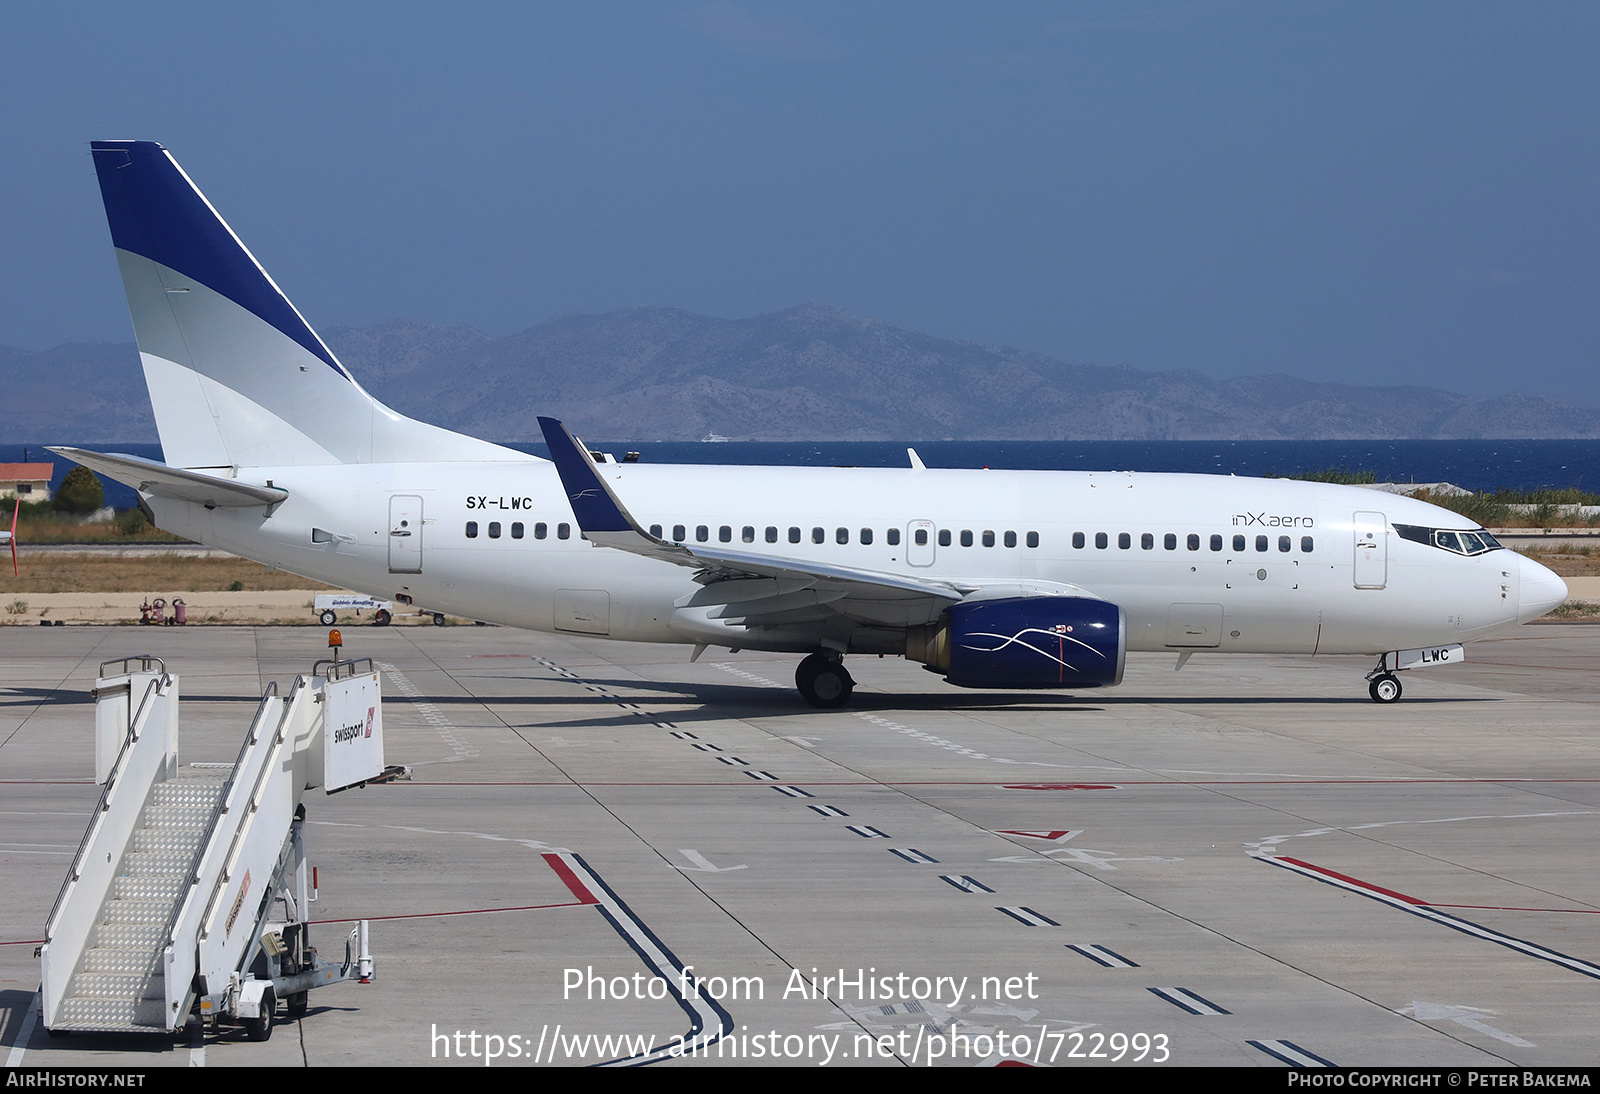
pixel 161 481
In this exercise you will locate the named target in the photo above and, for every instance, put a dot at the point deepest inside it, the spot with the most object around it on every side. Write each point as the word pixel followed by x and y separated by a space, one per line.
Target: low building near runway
pixel 28 481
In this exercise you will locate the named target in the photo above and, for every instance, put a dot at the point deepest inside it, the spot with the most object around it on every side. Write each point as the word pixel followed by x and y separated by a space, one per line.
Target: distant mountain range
pixel 808 373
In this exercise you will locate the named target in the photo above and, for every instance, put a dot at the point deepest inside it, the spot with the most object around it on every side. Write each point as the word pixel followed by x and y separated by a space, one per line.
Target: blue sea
pixel 1475 465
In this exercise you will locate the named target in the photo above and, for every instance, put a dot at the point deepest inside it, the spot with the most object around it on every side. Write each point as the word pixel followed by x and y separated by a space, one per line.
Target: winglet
pixel 598 510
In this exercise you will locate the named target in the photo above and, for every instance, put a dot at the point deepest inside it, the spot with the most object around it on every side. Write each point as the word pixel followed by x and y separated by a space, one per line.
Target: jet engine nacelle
pixel 1025 642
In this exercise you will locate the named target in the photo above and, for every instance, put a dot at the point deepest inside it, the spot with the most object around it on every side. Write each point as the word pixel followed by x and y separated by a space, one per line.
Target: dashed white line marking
pixel 1099 954
pixel 911 854
pixel 966 884
pixel 829 810
pixel 458 745
pixel 752 677
pixel 1027 916
pixel 867 830
pixel 1187 1000
pixel 1291 1054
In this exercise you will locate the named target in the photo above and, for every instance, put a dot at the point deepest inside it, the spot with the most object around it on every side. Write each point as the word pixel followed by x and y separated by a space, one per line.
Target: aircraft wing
pixel 770 589
pixel 159 480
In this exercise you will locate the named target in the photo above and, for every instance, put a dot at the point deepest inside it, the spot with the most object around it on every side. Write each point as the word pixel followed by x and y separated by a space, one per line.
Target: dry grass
pixel 155 574
pixel 39 524
pixel 1566 561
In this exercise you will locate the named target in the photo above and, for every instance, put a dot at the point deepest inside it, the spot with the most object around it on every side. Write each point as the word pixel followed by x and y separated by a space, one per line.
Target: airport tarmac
pixel 1244 863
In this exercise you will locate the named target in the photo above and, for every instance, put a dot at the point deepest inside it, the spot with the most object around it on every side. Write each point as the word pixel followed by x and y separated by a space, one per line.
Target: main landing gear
pixel 1383 685
pixel 823 681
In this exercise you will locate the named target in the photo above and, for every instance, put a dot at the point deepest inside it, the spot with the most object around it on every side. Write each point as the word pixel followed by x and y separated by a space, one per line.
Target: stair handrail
pixel 218 809
pixel 249 804
pixel 128 742
pixel 143 658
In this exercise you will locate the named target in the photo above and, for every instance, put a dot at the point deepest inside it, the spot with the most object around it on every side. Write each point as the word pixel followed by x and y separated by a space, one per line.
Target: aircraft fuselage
pixel 1196 561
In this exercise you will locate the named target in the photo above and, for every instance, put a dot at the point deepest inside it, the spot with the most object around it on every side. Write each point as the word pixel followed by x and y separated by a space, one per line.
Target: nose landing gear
pixel 1384 688
pixel 1383 685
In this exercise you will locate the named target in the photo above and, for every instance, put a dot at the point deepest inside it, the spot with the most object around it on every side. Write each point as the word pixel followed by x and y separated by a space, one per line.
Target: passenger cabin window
pixel 725 534
pixel 944 537
pixel 1147 542
pixel 1216 543
pixel 922 537
pixel 1283 544
pixel 1193 542
pixel 1011 539
pixel 702 532
pixel 541 530
pixel 841 535
pixel 1033 539
pixel 1101 541
pixel 1305 544
pixel 818 535
pixel 472 529
pixel 794 535
pixel 966 537
pixel 866 535
pixel 516 530
pixel 679 533
pixel 893 536
pixel 1169 541
pixel 494 529
pixel 1261 543
pixel 748 534
pixel 1077 540
pixel 655 530
pixel 772 534
pixel 1124 540
pixel 563 531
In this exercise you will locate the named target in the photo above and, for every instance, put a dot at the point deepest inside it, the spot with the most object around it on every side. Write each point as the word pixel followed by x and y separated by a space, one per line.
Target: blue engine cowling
pixel 1026 642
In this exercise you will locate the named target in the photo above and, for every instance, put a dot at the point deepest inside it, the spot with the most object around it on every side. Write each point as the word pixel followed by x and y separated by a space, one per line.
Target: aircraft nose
pixel 1541 590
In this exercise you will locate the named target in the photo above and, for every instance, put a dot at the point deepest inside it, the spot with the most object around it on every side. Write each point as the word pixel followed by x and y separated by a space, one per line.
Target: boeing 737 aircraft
pixel 992 579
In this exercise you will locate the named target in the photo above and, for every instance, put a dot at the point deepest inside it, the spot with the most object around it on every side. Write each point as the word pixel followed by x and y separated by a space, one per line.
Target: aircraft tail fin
pixel 237 377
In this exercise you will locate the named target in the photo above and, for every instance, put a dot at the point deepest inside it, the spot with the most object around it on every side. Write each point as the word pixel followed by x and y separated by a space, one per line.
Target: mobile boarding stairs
pixel 167 909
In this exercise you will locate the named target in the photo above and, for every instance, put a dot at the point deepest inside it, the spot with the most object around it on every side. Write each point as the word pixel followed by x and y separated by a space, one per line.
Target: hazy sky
pixel 1372 192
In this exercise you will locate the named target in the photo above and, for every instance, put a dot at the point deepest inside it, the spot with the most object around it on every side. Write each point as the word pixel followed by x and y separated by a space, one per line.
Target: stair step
pixel 118 986
pixel 153 839
pixel 163 887
pixel 136 911
pixel 132 1015
pixel 120 962
pixel 157 862
pixel 129 936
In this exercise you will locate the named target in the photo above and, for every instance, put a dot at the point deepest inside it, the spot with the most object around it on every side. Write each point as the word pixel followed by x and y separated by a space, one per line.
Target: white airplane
pixel 992 579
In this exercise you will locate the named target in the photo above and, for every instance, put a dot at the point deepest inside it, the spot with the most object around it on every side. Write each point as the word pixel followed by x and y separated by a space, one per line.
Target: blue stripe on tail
pixel 157 213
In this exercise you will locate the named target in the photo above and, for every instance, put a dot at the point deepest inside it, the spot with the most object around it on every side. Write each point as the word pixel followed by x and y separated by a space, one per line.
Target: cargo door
pixel 1194 626
pixel 405 534
pixel 583 611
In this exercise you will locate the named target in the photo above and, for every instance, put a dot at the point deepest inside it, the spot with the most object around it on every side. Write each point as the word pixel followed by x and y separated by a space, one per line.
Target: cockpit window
pixel 1456 541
